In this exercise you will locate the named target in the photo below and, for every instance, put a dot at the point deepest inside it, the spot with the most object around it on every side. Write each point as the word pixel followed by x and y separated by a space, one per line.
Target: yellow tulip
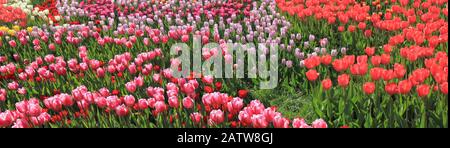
pixel 29 29
pixel 16 28
pixel 11 32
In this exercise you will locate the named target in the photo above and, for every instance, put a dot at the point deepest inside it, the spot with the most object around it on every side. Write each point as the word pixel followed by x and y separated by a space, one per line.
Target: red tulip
pixel 312 75
pixel 370 51
pixel 376 60
pixel 399 70
pixel 404 86
pixel 385 59
pixel 218 85
pixel 369 87
pixel 343 80
pixel 312 62
pixel 326 84
pixel 362 25
pixel 361 59
pixel 351 28
pixel 326 59
pixel 391 88
pixel 388 75
pixel 242 93
pixel 423 90
pixel 349 60
pixel 339 65
pixel 359 69
pixel 444 88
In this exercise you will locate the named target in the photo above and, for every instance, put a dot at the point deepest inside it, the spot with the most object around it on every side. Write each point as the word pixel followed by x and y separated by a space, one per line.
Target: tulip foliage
pixel 105 63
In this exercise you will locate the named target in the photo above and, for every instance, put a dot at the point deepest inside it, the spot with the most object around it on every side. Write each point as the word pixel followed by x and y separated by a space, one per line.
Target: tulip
pixel 259 121
pixel 122 110
pixel 129 100
pixel 369 88
pixel 280 122
pixel 142 104
pixel 300 123
pixel 423 90
pixel 391 88
pixel 319 123
pixel 196 117
pixel 188 102
pixel 131 86
pixel 312 75
pixel 160 106
pixel 235 105
pixel 327 84
pixel 216 116
pixel 343 80
pixel 404 86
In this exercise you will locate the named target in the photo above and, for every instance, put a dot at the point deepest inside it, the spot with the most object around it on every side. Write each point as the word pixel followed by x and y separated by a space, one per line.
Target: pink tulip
pixel 160 106
pixel 65 99
pixel 156 77
pixel 270 113
pixel 2 94
pixel 6 118
pixel 139 81
pixel 129 100
pixel 20 123
pixel 100 101
pixel 319 123
pixel 173 102
pixel 185 38
pixel 44 118
pixel 132 68
pixel 256 107
pixel 22 91
pixel 235 105
pixel 216 116
pixel 13 85
pixel 188 102
pixel 34 109
pixel 188 88
pixel 208 79
pixel 259 121
pixel 122 110
pixel 22 106
pixel 142 104
pixel 83 104
pixel 112 101
pixel 300 123
pixel 104 92
pixel 196 117
pixel 12 43
pixel 131 86
pixel 280 122
pixel 51 47
pixel 100 72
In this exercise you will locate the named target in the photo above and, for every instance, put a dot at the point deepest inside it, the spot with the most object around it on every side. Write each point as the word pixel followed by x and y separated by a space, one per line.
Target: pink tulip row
pixel 29 113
